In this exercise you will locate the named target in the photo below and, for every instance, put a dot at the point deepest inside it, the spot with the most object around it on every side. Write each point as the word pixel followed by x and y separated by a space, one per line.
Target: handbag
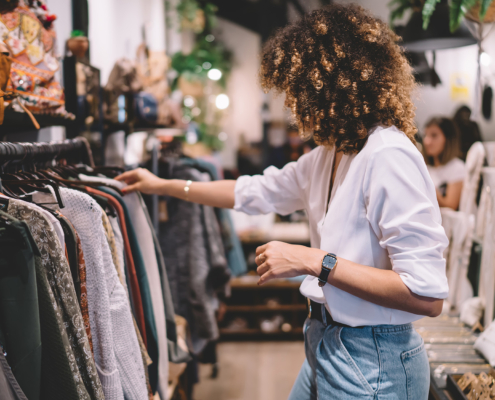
pixel 5 67
pixel 146 108
pixel 28 33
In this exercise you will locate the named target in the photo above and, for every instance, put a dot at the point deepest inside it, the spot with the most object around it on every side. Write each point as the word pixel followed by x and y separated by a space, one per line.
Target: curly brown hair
pixel 343 72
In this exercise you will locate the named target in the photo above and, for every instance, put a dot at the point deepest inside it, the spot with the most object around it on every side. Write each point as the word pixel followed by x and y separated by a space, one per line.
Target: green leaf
pixel 458 9
pixel 484 8
pixel 398 12
pixel 397 9
pixel 428 10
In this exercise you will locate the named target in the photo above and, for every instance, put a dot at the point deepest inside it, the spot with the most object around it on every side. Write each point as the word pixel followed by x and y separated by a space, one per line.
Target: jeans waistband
pixel 319 312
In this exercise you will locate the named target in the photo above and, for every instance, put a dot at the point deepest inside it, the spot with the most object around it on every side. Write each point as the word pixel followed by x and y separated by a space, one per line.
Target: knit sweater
pixel 115 343
pixel 145 240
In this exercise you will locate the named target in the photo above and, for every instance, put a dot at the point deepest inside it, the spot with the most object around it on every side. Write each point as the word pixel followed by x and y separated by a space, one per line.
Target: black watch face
pixel 328 262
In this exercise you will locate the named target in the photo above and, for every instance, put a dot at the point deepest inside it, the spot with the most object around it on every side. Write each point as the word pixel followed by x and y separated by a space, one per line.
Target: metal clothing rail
pixel 26 152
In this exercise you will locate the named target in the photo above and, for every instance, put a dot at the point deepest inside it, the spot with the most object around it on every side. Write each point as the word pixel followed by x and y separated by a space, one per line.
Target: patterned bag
pixel 30 37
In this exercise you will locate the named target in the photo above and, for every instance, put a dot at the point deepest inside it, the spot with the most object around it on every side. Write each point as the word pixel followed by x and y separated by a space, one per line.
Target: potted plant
pixel 78 44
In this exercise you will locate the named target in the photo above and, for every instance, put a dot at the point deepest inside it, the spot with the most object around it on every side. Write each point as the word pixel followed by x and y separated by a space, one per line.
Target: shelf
pixel 18 122
pixel 259 332
pixel 251 282
pixel 282 307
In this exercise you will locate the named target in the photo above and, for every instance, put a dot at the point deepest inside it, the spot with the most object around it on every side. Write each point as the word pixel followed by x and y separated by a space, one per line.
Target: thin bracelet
pixel 187 188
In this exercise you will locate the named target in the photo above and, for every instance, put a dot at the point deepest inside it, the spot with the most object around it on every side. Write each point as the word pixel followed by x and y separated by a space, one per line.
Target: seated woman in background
pixel 441 151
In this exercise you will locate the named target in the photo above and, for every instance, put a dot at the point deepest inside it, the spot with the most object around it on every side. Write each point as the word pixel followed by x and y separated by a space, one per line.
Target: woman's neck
pixel 436 162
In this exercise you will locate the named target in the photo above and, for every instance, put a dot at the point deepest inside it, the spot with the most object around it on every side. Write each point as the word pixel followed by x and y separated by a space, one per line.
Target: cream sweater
pixel 116 349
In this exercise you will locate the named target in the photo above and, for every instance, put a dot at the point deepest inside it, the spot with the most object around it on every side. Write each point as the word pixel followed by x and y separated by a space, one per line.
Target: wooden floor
pixel 252 371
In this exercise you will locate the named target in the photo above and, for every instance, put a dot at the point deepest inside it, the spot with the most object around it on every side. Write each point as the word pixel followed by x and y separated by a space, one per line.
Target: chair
pixel 460 226
pixel 487 271
pixel 474 162
pixel 490 153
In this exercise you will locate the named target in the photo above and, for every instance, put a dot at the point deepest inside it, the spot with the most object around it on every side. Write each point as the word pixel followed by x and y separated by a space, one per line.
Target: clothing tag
pixel 162 211
pixel 47 199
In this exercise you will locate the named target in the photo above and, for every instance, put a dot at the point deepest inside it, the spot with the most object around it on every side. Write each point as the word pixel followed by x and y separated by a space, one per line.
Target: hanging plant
pixel 399 7
pixel 475 10
pixel 202 74
pixel 196 16
pixel 206 55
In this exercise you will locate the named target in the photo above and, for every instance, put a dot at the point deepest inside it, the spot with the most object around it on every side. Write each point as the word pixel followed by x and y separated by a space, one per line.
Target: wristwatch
pixel 329 262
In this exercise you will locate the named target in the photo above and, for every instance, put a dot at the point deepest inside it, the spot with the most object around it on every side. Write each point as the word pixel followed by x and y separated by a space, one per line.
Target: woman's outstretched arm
pixel 215 194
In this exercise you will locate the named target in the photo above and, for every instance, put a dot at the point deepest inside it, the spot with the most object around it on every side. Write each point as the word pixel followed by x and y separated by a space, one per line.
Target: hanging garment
pixel 109 232
pixel 145 242
pixel 176 353
pixel 115 344
pixel 68 313
pixel 71 247
pixel 232 244
pixel 195 259
pixel 115 250
pixel 113 246
pixel 19 310
pixel 136 299
pixel 84 292
pixel 151 334
pixel 75 257
pixel 9 388
pixel 119 244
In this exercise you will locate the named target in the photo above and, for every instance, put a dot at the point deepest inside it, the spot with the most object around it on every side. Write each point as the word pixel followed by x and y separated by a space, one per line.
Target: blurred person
pixel 441 151
pixel 376 261
pixel 469 130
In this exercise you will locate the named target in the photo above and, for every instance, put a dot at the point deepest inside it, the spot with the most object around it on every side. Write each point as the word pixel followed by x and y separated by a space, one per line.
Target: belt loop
pixel 324 315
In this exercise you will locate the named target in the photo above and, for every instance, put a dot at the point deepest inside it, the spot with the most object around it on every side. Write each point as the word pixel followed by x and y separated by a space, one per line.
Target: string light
pixel 214 74
pixel 189 101
pixel 485 59
pixel 222 101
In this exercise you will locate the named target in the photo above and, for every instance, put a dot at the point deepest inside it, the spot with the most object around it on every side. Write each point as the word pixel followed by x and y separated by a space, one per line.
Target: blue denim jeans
pixel 383 362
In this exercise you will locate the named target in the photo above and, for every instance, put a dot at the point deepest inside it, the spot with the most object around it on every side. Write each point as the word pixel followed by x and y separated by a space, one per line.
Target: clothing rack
pixel 75 149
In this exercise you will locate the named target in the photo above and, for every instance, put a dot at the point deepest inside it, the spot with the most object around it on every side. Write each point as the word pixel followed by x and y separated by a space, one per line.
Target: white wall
pixel 115 30
pixel 63 24
pixel 244 91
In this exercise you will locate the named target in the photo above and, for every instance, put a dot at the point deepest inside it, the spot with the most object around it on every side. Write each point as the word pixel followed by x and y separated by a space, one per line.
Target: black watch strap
pixel 329 262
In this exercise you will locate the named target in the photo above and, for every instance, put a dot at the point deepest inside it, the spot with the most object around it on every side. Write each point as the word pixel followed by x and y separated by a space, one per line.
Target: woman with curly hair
pixel 376 259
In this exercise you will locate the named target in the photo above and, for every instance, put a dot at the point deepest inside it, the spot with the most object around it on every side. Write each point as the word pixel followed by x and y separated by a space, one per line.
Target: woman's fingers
pixel 262 269
pixel 131 188
pixel 268 276
pixel 127 177
pixel 261 249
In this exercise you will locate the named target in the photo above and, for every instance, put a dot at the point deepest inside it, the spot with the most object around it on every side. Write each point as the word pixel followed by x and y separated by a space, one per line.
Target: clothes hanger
pixel 23 184
pixel 82 183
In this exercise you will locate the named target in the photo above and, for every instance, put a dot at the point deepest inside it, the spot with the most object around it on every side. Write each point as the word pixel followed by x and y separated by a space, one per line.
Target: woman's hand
pixel 143 181
pixel 283 260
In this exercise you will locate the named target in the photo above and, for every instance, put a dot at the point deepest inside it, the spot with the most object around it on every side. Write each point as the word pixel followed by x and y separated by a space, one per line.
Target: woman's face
pixel 434 141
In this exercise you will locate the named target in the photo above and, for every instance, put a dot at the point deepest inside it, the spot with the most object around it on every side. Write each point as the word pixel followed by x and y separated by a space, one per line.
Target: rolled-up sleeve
pixel 403 211
pixel 281 191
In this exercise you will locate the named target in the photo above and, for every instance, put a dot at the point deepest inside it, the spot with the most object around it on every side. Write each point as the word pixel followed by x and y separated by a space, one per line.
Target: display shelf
pixel 19 122
pixel 253 305
pixel 250 282
pixel 264 308
pixel 257 334
pixel 255 331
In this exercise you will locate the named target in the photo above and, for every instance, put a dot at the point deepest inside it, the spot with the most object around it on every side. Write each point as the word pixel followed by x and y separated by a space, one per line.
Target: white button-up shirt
pixel 383 213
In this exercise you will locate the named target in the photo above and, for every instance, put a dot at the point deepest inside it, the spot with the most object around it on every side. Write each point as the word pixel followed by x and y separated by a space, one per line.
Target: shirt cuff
pixel 247 197
pixel 428 280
